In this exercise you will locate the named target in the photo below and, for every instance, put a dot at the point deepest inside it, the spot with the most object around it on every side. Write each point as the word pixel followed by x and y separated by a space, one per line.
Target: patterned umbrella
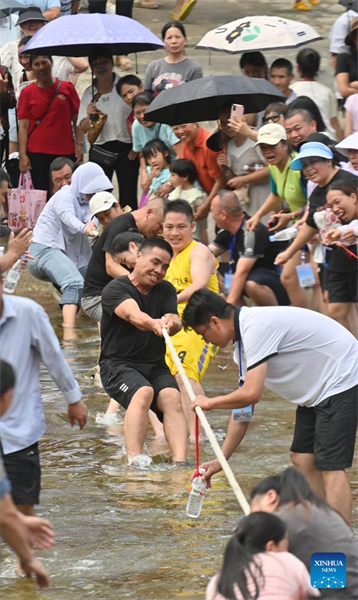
pixel 258 33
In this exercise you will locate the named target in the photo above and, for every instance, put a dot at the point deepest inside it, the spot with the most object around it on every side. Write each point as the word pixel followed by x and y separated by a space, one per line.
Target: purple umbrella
pixel 75 35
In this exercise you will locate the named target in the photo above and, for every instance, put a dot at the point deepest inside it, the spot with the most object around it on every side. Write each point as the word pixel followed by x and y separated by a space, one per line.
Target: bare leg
pixel 136 420
pixel 69 312
pixel 112 407
pixel 298 296
pixel 174 422
pixel 262 295
pixel 353 319
pixel 26 509
pixel 339 493
pixel 157 426
pixel 305 464
pixel 339 311
pixel 186 404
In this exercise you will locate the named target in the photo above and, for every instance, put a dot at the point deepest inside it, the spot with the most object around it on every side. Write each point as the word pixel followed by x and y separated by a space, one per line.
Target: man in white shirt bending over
pixel 302 356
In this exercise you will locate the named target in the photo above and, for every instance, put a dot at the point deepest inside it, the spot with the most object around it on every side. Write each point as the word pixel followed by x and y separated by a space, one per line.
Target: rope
pixel 346 249
pixel 209 432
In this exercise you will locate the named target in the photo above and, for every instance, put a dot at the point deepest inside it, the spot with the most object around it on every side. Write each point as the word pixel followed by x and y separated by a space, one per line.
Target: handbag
pixel 96 122
pixel 103 158
pixel 25 204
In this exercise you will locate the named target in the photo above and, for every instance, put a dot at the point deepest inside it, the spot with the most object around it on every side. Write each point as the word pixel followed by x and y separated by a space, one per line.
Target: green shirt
pixel 288 185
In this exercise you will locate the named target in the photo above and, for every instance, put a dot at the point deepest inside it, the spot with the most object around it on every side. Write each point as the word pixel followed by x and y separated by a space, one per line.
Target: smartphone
pixel 237 110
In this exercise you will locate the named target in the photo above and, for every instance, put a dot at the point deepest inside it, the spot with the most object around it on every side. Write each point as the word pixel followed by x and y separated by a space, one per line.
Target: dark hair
pixel 176 24
pixel 99 52
pixel 256 59
pixel 34 56
pixel 290 486
pixel 7 377
pixel 345 186
pixel 250 538
pixel 282 63
pixel 184 167
pixel 181 207
pixel 143 98
pixel 4 176
pixel 129 80
pixel 61 162
pixel 279 107
pixel 122 240
pixel 156 242
pixel 203 305
pixel 308 61
pixel 306 103
pixel 155 146
pixel 23 41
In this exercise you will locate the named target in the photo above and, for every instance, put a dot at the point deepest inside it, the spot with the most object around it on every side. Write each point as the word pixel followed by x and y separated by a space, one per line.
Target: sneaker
pixel 301 5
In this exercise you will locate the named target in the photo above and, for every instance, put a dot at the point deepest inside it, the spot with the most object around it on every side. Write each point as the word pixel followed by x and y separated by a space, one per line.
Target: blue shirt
pixel 27 338
pixel 157 182
pixel 141 135
pixel 62 225
pixel 43 5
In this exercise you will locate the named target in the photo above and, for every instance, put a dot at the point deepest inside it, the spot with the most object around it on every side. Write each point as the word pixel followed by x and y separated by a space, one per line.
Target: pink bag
pixel 25 204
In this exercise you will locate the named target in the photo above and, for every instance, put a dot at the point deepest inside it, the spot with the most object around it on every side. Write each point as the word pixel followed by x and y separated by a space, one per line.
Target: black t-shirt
pixel 96 276
pixel 347 62
pixel 318 197
pixel 122 341
pixel 251 244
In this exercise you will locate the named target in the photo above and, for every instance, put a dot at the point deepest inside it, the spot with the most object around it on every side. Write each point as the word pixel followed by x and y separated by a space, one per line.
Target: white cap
pixel 101 201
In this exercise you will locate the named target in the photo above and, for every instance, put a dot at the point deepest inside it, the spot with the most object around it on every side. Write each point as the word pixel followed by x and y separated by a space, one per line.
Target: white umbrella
pixel 258 33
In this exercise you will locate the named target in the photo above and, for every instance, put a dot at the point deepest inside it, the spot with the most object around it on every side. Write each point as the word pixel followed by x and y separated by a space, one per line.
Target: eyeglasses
pixel 275 117
pixel 204 334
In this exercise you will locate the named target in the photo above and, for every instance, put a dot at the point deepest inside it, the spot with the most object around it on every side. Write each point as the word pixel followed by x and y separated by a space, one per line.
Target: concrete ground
pixel 208 14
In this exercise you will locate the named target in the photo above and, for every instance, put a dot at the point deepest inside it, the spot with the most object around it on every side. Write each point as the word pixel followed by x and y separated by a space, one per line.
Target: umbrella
pixel 9 6
pixel 258 33
pixel 349 4
pixel 75 35
pixel 201 99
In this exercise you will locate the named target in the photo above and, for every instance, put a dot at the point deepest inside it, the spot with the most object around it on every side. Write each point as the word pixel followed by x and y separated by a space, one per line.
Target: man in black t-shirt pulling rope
pixel 133 369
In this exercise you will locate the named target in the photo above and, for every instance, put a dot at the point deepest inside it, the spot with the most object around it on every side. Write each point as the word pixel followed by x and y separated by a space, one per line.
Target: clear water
pixel 122 531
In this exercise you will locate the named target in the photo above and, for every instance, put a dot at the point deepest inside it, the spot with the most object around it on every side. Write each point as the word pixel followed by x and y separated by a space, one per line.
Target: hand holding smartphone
pixel 237 110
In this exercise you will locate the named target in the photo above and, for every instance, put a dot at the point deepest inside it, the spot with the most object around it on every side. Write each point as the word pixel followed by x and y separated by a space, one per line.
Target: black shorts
pixel 271 279
pixel 121 382
pixel 323 277
pixel 343 286
pixel 328 431
pixel 24 471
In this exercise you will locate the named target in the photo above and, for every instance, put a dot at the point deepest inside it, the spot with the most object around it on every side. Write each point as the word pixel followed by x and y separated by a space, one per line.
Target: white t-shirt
pixel 117 110
pixel 325 99
pixel 309 356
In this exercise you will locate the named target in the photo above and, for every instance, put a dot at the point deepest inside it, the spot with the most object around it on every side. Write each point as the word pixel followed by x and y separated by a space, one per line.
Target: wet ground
pixel 122 532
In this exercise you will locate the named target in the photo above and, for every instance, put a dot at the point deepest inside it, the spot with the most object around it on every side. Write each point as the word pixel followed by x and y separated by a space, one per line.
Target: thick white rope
pixel 209 432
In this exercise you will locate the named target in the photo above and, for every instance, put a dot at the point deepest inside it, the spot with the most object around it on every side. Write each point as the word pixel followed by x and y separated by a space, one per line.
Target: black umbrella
pixel 349 4
pixel 201 99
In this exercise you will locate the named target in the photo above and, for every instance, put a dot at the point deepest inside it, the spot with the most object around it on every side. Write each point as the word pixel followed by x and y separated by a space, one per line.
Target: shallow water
pixel 122 532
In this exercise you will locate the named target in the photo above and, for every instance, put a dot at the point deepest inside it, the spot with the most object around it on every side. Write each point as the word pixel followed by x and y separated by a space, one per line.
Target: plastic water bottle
pixel 12 277
pixel 284 235
pixel 196 496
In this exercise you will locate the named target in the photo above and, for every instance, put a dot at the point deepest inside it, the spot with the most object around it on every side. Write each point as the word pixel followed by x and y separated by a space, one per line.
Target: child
pixel 144 131
pixel 156 154
pixel 128 87
pixel 281 75
pixel 183 177
pixel 351 106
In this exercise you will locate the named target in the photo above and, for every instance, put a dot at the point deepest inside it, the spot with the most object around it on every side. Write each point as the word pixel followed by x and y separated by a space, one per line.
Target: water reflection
pixel 122 532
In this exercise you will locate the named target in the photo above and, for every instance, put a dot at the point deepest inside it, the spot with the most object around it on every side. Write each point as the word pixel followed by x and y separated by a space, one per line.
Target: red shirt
pixel 54 135
pixel 204 160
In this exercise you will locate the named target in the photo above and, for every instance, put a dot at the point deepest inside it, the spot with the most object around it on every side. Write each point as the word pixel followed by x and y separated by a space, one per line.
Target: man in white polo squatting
pixel 303 356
